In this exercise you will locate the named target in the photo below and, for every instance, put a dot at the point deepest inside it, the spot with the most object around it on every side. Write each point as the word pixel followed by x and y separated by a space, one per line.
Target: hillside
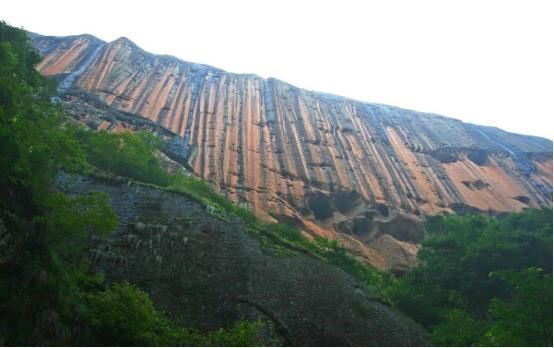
pixel 364 174
pixel 211 269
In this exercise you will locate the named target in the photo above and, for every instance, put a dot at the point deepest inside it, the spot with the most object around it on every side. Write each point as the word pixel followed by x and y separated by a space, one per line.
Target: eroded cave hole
pixel 478 156
pixel 382 209
pixel 523 199
pixel 321 205
pixel 346 200
pixel 445 155
pixel 361 225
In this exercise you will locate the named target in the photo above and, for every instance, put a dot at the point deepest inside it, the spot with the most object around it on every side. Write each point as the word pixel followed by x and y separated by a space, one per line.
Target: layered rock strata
pixel 366 174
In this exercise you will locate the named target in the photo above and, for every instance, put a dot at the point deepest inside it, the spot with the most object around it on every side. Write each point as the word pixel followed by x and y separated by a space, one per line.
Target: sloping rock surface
pixel 209 271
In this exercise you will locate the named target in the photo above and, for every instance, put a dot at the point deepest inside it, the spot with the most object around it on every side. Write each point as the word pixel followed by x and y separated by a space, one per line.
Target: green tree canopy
pixel 457 291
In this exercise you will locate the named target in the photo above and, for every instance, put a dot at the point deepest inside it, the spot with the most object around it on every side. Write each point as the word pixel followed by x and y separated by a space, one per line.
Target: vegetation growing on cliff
pixel 126 154
pixel 483 280
pixel 123 315
pixel 133 155
pixel 47 294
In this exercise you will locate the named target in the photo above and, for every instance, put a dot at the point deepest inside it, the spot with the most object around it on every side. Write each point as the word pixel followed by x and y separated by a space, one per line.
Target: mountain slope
pixel 365 174
pixel 210 271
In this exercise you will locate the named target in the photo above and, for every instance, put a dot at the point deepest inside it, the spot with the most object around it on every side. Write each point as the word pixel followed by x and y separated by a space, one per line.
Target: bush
pixel 202 191
pixel 242 334
pixel 132 155
pixel 525 319
pixel 475 283
pixel 459 329
pixel 124 315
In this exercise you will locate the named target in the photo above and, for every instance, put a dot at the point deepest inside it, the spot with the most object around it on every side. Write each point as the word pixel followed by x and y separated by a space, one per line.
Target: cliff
pixel 365 174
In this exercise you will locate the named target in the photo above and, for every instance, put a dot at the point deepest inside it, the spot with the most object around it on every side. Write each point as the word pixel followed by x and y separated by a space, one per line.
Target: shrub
pixel 132 155
pixel 477 282
pixel 124 315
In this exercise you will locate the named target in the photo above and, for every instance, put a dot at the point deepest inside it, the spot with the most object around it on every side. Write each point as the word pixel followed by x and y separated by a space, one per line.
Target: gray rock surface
pixel 210 271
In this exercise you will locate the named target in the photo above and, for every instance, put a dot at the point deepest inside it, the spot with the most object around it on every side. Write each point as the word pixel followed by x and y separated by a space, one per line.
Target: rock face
pixel 330 165
pixel 211 271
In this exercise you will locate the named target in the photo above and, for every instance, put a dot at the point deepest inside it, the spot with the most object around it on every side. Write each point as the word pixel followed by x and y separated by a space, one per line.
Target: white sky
pixel 485 62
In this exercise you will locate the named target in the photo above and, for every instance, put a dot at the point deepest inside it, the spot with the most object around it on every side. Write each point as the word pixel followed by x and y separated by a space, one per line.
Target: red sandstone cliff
pixel 365 174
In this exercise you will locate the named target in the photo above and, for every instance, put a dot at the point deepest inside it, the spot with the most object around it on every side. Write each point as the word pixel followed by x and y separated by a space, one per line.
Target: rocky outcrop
pixel 206 269
pixel 330 165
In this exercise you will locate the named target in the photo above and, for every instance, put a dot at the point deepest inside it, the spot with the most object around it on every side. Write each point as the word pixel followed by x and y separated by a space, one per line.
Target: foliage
pixel 242 334
pixel 453 293
pixel 126 154
pixel 526 318
pixel 70 219
pixel 459 329
pixel 204 192
pixel 40 294
pixel 33 145
pixel 124 315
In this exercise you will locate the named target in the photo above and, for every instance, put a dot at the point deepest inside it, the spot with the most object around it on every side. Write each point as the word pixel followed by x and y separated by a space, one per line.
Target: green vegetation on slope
pixel 483 280
pixel 126 154
pixel 123 315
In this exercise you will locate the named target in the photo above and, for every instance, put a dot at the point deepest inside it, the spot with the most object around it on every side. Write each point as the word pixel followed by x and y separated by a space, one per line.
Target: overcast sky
pixel 485 62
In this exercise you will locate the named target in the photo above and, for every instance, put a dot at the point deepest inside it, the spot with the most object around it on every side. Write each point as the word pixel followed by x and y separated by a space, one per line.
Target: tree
pixel 452 293
pixel 458 329
pixel 526 318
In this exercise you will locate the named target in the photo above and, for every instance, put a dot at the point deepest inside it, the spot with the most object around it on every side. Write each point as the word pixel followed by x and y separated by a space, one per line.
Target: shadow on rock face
pixel 321 205
pixel 478 156
pixel 345 201
pixel 362 225
pixel 383 209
